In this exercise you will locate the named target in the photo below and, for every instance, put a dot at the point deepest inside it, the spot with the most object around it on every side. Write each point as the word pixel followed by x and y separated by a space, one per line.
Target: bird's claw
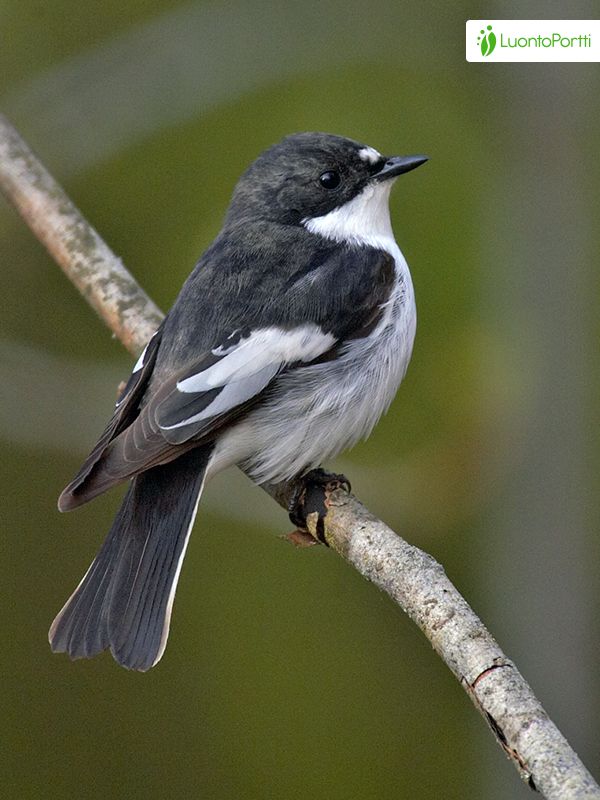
pixel 311 495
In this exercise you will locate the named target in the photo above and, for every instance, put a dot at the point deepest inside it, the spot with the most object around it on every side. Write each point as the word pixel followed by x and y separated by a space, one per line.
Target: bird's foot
pixel 312 495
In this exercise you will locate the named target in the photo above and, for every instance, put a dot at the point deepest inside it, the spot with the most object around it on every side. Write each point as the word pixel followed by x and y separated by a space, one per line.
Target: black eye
pixel 330 179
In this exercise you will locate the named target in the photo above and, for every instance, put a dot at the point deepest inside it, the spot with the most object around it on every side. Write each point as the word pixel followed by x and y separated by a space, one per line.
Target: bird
pixel 286 344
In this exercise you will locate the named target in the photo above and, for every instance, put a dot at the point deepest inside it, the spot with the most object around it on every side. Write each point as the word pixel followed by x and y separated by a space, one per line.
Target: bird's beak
pixel 396 165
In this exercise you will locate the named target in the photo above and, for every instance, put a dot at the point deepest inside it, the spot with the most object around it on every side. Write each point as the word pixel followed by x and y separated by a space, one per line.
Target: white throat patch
pixel 364 220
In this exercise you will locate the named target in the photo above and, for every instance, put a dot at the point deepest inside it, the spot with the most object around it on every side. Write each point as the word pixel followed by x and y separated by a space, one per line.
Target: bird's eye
pixel 330 179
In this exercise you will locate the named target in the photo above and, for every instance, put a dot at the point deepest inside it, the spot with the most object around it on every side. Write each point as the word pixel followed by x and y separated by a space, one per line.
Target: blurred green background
pixel 287 675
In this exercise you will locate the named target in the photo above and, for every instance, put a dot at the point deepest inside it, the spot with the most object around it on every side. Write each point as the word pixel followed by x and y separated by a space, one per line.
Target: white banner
pixel 533 40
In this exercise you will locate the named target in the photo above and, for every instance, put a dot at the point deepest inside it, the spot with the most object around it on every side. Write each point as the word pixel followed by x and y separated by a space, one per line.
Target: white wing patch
pixel 249 367
pixel 225 349
pixel 233 394
pixel 264 347
pixel 140 362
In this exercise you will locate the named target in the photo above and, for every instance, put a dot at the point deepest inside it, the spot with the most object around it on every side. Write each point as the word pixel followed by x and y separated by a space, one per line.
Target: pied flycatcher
pixel 286 344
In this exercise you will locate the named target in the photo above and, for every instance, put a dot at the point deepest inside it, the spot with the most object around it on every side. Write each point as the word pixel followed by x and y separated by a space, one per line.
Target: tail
pixel 124 600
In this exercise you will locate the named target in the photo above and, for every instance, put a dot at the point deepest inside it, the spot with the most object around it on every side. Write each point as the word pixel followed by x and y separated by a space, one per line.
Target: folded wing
pixel 190 406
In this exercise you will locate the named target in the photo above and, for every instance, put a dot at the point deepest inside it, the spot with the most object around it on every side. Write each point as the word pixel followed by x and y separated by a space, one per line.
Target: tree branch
pixel 413 579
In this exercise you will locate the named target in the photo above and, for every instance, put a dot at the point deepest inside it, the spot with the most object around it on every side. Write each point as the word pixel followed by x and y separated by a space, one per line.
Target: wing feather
pixel 125 411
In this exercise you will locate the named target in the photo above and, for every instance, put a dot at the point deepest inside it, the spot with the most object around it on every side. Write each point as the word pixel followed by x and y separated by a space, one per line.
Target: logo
pixel 532 40
pixel 487 41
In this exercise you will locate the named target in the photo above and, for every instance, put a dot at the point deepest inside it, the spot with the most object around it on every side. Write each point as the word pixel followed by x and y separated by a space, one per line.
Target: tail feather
pixel 124 600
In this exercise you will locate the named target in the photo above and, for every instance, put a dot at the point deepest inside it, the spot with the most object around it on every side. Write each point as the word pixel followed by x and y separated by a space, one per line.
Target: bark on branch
pixel 413 579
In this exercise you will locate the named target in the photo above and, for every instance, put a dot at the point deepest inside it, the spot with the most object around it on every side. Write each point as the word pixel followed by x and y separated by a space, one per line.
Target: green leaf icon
pixel 487 41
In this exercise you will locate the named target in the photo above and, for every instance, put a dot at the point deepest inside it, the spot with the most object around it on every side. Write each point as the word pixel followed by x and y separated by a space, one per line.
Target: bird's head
pixel 320 181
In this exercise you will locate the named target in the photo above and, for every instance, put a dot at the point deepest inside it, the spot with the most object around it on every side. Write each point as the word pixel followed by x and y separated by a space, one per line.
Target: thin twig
pixel 413 579
pixel 84 257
